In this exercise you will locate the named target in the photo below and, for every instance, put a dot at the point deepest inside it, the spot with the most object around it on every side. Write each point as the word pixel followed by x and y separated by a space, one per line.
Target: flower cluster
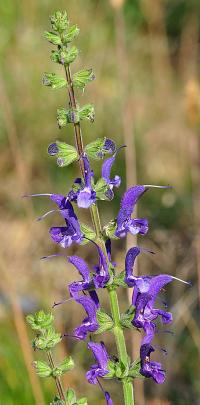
pixel 84 193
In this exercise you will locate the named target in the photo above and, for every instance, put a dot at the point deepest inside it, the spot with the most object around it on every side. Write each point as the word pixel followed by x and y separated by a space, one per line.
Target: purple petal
pixel 81 266
pixel 100 353
pixel 129 263
pixel 60 235
pixel 53 149
pixel 86 197
pixel 90 323
pixel 109 146
pixel 150 368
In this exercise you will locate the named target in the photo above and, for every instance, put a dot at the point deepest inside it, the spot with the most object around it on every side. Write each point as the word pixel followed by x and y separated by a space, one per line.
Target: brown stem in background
pixel 130 158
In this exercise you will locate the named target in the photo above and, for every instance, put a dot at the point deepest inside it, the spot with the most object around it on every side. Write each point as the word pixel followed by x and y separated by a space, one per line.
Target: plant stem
pixel 57 379
pixel 118 331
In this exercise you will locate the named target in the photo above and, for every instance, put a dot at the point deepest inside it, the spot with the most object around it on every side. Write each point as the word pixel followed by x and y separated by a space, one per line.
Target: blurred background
pixel 145 54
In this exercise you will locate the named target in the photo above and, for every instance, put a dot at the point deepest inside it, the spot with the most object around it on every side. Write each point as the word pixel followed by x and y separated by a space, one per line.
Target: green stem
pixel 118 331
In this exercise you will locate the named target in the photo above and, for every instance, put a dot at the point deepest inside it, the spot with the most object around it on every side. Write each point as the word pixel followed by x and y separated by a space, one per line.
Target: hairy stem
pixel 57 379
pixel 118 331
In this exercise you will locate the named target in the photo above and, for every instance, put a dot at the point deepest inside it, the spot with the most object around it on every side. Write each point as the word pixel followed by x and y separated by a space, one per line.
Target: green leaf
pixel 66 365
pixel 71 33
pixel 52 38
pixel 105 322
pixel 71 396
pixel 40 320
pixel 127 317
pixel 47 340
pixel 59 21
pixel 83 77
pixel 94 149
pixel 66 154
pixel 42 368
pixel 54 81
pixel 88 233
pixel 87 112
pixel 110 229
pixel 134 370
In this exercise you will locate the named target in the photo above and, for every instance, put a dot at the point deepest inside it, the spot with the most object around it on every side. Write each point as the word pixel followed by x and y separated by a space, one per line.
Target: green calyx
pixel 88 233
pixel 66 365
pixel 105 322
pixel 66 154
pixel 110 229
pixel 72 400
pixel 64 56
pixel 83 77
pixel 127 317
pixel 68 116
pixel 54 81
pixel 47 340
pixel 59 21
pixel 40 321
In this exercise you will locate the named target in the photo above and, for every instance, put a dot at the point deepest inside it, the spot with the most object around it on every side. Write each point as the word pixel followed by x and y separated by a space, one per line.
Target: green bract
pixel 54 81
pixel 101 188
pixel 71 398
pixel 70 34
pixel 134 370
pixel 66 365
pixel 83 77
pixel 52 38
pixel 88 233
pixel 64 56
pixel 66 154
pixel 110 229
pixel 86 112
pixel 105 322
pixel 94 149
pixel 40 320
pixel 127 317
pixel 42 368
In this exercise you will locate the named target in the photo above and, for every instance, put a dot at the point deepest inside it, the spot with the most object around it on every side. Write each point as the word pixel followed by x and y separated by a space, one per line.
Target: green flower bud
pixel 59 21
pixel 66 154
pixel 83 77
pixel 54 81
pixel 52 38
pixel 40 321
pixel 42 368
pixel 47 340
pixel 71 33
pixel 88 233
pixel 66 365
pixel 87 112
pixel 105 322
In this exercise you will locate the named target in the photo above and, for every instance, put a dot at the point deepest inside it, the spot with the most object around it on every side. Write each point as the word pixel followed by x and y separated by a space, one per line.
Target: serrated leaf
pixel 83 77
pixel 52 38
pixel 40 320
pixel 54 81
pixel 88 233
pixel 42 368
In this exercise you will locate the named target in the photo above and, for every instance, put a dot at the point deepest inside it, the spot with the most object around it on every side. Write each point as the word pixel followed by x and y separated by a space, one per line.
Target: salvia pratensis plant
pixel 86 192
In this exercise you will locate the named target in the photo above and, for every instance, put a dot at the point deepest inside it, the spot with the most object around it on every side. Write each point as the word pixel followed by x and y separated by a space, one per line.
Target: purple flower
pixel 82 267
pixel 99 369
pixel 86 196
pixel 71 233
pixel 102 273
pixel 108 147
pixel 108 398
pixel 129 263
pixel 90 323
pixel 150 368
pixel 105 173
pixel 144 295
pixel 125 223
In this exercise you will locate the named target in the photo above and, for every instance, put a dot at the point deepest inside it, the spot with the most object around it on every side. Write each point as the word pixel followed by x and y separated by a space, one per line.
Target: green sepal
pixel 83 77
pixel 47 340
pixel 101 188
pixel 54 81
pixel 66 365
pixel 59 21
pixel 71 33
pixel 119 280
pixel 58 401
pixel 117 369
pixel 104 320
pixel 87 112
pixel 127 317
pixel 134 370
pixel 82 401
pixel 110 229
pixel 94 149
pixel 66 154
pixel 52 38
pixel 88 233
pixel 42 368
pixel 64 56
pixel 40 321
pixel 71 396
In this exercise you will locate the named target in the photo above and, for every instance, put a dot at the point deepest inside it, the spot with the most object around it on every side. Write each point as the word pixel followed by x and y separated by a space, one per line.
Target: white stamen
pixel 153 186
pixel 183 281
pixel 45 215
pixel 37 195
